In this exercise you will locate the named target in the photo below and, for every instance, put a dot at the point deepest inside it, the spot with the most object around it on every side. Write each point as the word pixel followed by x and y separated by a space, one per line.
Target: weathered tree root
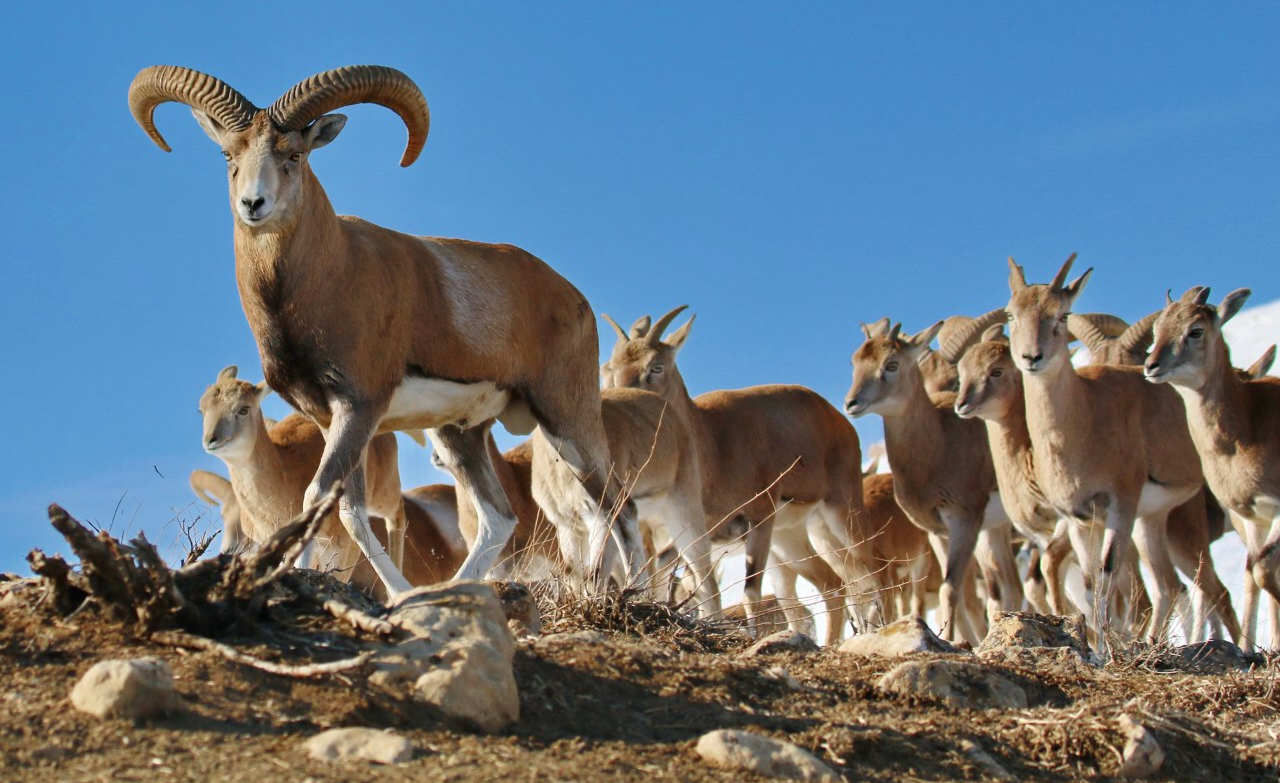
pixel 181 608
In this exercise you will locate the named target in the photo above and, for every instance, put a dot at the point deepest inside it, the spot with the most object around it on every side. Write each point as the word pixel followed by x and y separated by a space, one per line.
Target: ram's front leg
pixel 345 443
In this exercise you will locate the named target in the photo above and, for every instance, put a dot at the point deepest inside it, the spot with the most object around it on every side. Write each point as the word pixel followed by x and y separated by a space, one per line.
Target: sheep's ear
pixel 1076 286
pixel 1231 304
pixel 228 373
pixel 993 333
pixel 677 338
pixel 262 390
pixel 918 343
pixel 210 126
pixel 323 131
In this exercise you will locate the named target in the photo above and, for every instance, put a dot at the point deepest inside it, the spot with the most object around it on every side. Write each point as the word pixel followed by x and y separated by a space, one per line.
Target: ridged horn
pixel 959 332
pixel 325 92
pixel 1088 329
pixel 163 83
pixel 655 334
pixel 1061 279
pixel 1138 338
pixel 622 336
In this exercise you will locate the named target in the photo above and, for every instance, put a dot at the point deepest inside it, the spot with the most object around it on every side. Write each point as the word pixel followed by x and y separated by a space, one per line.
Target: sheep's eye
pixel 891 367
pixel 656 369
pixel 243 411
pixel 295 157
pixel 1196 334
pixel 1063 319
pixel 997 372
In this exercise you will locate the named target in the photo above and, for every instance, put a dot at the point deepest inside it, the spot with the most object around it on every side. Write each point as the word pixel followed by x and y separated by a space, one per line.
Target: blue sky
pixel 788 170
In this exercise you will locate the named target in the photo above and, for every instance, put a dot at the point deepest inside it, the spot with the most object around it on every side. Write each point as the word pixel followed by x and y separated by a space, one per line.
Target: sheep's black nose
pixel 252 204
pixel 1032 360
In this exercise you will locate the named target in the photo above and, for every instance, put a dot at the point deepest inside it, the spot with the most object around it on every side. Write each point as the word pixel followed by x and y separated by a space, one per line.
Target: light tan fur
pixel 943 477
pixel 777 464
pixel 1107 450
pixel 271 468
pixel 655 458
pixel 217 491
pixel 1235 427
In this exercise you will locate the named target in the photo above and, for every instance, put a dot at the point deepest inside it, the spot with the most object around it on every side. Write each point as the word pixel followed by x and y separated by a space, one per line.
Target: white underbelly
pixel 431 402
pixel 1160 499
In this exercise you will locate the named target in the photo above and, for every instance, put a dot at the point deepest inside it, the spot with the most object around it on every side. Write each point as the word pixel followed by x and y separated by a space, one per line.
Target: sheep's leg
pixel 1247 529
pixel 464 452
pixel 1151 537
pixel 791 545
pixel 687 526
pixel 345 443
pixel 759 539
pixel 962 538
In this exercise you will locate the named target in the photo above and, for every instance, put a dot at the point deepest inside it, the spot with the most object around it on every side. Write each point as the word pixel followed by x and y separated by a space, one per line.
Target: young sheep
pixel 271 468
pixel 367 330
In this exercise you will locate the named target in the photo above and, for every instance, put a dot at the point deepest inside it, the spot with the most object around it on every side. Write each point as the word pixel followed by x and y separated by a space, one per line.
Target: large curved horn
pixel 1140 336
pixel 352 84
pixel 622 336
pixel 1087 328
pixel 959 332
pixel 163 83
pixel 655 334
pixel 1061 279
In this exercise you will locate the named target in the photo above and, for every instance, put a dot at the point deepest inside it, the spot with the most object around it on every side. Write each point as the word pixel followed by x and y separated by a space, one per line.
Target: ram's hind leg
pixel 464 452
pixel 346 442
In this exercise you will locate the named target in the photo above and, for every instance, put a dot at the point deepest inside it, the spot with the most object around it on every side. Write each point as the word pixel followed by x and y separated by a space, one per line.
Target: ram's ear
pixel 262 390
pixel 211 127
pixel 323 131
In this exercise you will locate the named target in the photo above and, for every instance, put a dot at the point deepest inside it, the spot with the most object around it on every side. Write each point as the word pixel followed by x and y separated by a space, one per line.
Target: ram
pixel 367 330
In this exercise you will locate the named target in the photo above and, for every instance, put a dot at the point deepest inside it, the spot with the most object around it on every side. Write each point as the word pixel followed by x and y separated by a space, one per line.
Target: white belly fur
pixel 430 402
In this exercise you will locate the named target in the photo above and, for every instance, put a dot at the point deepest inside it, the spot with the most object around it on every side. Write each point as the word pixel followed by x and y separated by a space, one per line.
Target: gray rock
pixel 460 657
pixel 1143 756
pixel 762 755
pixel 1213 656
pixel 354 744
pixel 1061 661
pixel 909 635
pixel 962 684
pixel 132 689
pixel 782 641
pixel 1027 629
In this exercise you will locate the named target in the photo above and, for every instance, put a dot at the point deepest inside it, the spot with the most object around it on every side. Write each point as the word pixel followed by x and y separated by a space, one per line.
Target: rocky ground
pixel 624 691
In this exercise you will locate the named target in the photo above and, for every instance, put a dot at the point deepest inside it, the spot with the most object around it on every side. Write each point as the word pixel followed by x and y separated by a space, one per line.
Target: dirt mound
pixel 617 690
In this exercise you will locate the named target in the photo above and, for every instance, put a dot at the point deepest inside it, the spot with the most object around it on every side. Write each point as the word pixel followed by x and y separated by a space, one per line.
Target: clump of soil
pixel 625 703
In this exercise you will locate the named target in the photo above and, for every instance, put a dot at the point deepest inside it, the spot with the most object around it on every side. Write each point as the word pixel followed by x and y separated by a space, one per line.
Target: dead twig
pixel 193 642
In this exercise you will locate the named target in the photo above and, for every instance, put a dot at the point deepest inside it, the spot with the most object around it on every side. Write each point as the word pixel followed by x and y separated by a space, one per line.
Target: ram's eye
pixel 295 157
pixel 1064 317
pixel 997 372
pixel 656 369
pixel 891 367
pixel 1196 334
pixel 226 155
pixel 243 411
